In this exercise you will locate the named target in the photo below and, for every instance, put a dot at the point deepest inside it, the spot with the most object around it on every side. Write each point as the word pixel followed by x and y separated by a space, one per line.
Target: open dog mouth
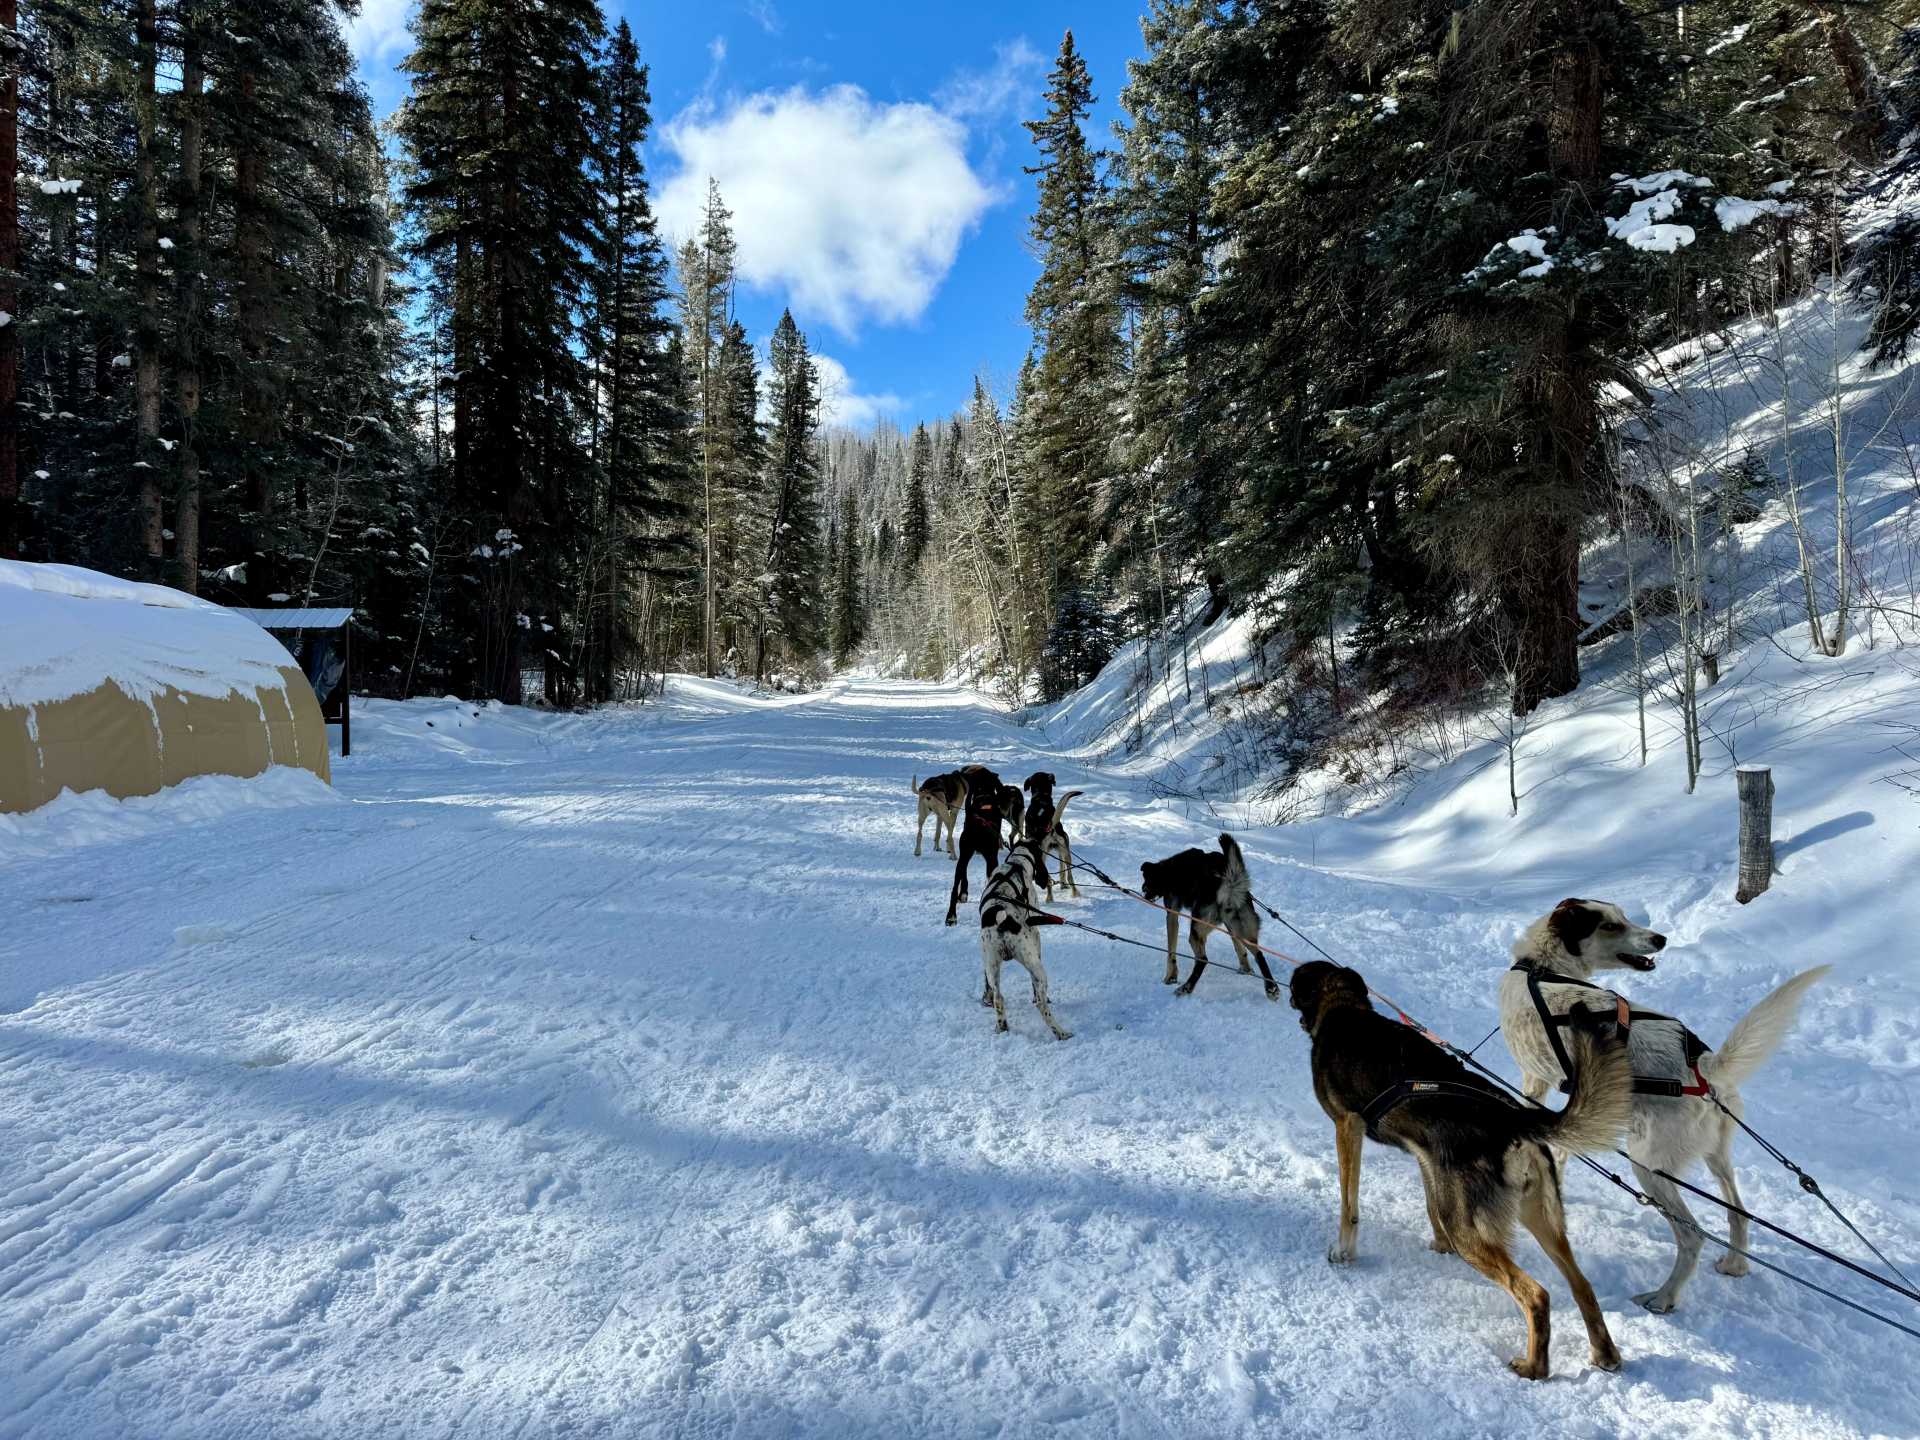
pixel 1634 962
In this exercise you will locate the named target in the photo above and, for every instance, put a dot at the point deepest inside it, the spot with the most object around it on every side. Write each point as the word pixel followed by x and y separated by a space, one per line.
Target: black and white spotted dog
pixel 1009 930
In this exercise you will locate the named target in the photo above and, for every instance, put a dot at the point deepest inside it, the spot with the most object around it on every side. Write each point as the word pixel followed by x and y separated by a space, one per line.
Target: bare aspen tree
pixel 1627 547
pixel 1835 419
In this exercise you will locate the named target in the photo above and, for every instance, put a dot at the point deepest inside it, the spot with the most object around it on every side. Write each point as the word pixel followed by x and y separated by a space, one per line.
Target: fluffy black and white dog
pixel 1009 930
pixel 1213 888
pixel 1673 1125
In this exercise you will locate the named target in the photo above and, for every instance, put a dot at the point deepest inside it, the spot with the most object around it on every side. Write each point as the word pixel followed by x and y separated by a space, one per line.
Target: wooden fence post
pixel 1756 831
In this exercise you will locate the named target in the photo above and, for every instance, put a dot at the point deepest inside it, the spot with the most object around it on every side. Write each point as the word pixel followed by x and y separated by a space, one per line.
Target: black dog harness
pixel 1401 1091
pixel 1003 890
pixel 1692 1047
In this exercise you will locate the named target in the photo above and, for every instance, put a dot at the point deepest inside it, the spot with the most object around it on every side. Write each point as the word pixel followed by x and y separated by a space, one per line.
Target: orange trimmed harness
pixel 1692 1046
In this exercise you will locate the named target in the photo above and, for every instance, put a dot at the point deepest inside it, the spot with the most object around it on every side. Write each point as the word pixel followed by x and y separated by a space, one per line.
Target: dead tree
pixel 1756 831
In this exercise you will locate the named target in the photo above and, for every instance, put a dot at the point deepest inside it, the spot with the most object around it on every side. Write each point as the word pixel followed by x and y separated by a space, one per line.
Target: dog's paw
pixel 1273 990
pixel 1528 1369
pixel 1734 1265
pixel 1001 1028
pixel 1439 1246
pixel 1656 1301
pixel 1184 990
pixel 952 920
pixel 1063 1034
pixel 1607 1359
pixel 1338 1256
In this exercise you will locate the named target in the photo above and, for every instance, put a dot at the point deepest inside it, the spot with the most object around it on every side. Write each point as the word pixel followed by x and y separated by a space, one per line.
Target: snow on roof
pixel 92 585
pixel 296 617
pixel 65 631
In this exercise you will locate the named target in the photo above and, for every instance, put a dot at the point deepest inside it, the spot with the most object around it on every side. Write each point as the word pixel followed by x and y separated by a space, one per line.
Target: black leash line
pixel 1812 1186
pixel 1689 1223
pixel 1817 1249
pixel 1467 1057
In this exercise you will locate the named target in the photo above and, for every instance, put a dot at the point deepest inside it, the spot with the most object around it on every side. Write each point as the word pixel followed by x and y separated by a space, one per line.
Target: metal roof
pixel 294 617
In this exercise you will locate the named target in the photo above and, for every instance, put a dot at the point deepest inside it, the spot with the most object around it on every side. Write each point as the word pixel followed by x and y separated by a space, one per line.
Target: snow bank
pixel 75 820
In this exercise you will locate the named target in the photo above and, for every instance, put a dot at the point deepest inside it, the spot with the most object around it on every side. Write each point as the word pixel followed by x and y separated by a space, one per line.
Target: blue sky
pixel 872 155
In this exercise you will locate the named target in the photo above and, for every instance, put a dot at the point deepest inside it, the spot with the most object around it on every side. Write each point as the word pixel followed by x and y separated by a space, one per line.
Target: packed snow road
pixel 616 1076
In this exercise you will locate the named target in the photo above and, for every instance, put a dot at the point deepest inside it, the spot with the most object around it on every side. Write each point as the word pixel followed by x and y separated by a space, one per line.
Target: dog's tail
pixel 916 782
pixel 1233 880
pixel 1596 1116
pixel 1758 1032
pixel 1060 810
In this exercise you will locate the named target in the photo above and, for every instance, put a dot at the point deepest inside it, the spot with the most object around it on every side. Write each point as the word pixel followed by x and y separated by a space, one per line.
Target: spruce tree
pixel 639 510
pixel 706 265
pixel 1073 309
pixel 915 517
pixel 848 621
pixel 790 614
pixel 496 128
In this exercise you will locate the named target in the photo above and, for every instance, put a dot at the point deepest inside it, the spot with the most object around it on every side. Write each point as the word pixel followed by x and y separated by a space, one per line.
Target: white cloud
pixel 765 15
pixel 1002 88
pixel 841 402
pixel 379 31
pixel 856 209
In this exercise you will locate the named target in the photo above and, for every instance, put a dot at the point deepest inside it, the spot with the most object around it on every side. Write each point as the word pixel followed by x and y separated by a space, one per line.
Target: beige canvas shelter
pixel 110 685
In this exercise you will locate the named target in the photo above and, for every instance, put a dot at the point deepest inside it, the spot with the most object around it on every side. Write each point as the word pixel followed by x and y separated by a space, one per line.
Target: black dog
pixel 1046 823
pixel 1484 1161
pixel 1214 889
pixel 979 832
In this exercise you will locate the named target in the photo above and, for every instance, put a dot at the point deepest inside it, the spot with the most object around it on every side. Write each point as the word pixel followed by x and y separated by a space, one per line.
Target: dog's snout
pixel 1659 940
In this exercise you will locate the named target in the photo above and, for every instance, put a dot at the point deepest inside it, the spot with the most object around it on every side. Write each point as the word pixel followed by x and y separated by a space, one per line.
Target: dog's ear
pixel 1572 922
pixel 1308 990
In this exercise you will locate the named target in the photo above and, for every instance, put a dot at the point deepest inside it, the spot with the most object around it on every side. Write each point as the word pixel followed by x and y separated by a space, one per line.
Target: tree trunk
pixel 1756 831
pixel 1543 610
pixel 146 319
pixel 1873 117
pixel 1543 600
pixel 188 262
pixel 254 307
pixel 11 523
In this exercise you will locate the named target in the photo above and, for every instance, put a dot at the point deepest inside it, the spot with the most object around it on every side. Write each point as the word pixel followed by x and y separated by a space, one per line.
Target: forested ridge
pixel 1341 325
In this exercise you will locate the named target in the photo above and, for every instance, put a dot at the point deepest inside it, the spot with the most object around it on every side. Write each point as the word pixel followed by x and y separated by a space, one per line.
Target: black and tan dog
pixel 979 831
pixel 943 797
pixel 1046 824
pixel 1484 1160
pixel 1013 810
pixel 1213 888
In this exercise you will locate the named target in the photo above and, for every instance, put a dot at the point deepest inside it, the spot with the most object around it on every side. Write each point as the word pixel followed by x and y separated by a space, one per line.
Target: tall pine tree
pixel 497 130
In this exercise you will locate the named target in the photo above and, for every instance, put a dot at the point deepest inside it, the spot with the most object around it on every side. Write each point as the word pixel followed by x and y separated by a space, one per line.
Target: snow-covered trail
pixel 627 1083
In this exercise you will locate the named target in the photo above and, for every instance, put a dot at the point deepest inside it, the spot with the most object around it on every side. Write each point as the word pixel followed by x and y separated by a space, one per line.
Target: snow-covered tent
pixel 111 685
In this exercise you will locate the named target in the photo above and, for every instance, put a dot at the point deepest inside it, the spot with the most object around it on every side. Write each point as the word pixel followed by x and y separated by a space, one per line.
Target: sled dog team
pixel 1633 1076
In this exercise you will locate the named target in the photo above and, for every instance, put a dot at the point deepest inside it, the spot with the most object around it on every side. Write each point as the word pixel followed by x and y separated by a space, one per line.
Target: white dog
pixel 1009 930
pixel 1674 1123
